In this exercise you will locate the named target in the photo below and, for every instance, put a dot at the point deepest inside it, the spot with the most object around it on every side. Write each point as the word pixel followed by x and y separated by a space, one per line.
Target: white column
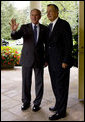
pixel 35 4
pixel 81 51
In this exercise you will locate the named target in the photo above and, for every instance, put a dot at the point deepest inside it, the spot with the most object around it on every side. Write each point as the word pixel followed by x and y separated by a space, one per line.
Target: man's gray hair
pixel 56 7
pixel 35 9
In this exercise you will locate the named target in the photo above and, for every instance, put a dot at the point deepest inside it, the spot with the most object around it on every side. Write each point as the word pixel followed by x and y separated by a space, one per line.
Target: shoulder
pixel 64 22
pixel 43 26
pixel 64 25
pixel 26 25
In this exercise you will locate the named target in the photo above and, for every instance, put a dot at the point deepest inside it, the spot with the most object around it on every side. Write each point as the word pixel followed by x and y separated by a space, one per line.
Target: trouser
pixel 26 85
pixel 60 85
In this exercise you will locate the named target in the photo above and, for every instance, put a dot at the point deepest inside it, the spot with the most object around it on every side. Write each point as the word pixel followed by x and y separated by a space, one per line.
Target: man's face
pixel 52 14
pixel 35 17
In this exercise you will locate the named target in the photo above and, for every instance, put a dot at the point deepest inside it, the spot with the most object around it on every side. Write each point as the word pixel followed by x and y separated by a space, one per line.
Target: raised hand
pixel 13 24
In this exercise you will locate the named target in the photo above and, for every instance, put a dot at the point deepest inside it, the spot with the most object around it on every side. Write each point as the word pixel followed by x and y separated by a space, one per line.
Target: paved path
pixel 11 83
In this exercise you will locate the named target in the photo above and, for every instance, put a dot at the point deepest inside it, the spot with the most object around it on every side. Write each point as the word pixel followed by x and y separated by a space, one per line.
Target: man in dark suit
pixel 59 53
pixel 32 57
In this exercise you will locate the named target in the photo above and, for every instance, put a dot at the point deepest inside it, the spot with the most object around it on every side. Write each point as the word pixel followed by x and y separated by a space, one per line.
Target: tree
pixel 7 13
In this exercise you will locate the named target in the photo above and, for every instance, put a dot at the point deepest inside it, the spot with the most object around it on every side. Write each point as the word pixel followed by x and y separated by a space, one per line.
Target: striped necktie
pixel 35 33
pixel 50 28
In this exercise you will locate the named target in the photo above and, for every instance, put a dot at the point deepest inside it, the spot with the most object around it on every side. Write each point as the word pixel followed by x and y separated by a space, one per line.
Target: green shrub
pixel 9 57
pixel 75 49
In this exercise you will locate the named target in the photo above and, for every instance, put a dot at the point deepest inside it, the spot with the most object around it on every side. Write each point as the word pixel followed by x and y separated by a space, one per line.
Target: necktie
pixel 50 28
pixel 35 33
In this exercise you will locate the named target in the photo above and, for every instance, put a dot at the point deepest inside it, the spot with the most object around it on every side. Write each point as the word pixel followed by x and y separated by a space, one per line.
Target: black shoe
pixel 57 116
pixel 25 106
pixel 53 109
pixel 35 108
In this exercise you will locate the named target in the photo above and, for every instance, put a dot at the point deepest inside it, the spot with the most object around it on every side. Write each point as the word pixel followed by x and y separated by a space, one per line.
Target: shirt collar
pixel 55 21
pixel 34 25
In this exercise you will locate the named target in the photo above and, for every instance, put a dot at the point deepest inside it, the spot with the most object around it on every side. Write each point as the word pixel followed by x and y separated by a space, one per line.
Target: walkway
pixel 11 83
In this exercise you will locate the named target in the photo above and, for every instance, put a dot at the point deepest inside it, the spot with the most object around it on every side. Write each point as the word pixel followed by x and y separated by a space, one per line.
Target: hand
pixel 64 65
pixel 46 64
pixel 13 24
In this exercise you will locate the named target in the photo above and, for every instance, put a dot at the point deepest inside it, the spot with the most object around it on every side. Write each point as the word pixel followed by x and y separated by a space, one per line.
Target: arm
pixel 68 44
pixel 46 39
pixel 17 34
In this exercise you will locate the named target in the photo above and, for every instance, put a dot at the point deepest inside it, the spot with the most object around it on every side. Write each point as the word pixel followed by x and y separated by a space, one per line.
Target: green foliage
pixel 75 43
pixel 75 49
pixel 9 57
pixel 7 13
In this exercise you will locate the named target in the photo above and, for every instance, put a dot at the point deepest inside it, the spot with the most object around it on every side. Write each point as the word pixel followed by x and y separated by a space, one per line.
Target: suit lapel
pixel 40 32
pixel 55 27
pixel 31 28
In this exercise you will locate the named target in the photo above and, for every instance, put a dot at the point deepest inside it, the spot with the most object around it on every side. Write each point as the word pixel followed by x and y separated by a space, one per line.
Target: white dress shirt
pixel 54 22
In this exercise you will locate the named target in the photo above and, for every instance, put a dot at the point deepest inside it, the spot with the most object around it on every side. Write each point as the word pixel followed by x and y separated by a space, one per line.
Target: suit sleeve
pixel 17 34
pixel 46 39
pixel 68 44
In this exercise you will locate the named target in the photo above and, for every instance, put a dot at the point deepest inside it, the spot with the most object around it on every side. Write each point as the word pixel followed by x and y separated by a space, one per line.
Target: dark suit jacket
pixel 59 45
pixel 31 54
